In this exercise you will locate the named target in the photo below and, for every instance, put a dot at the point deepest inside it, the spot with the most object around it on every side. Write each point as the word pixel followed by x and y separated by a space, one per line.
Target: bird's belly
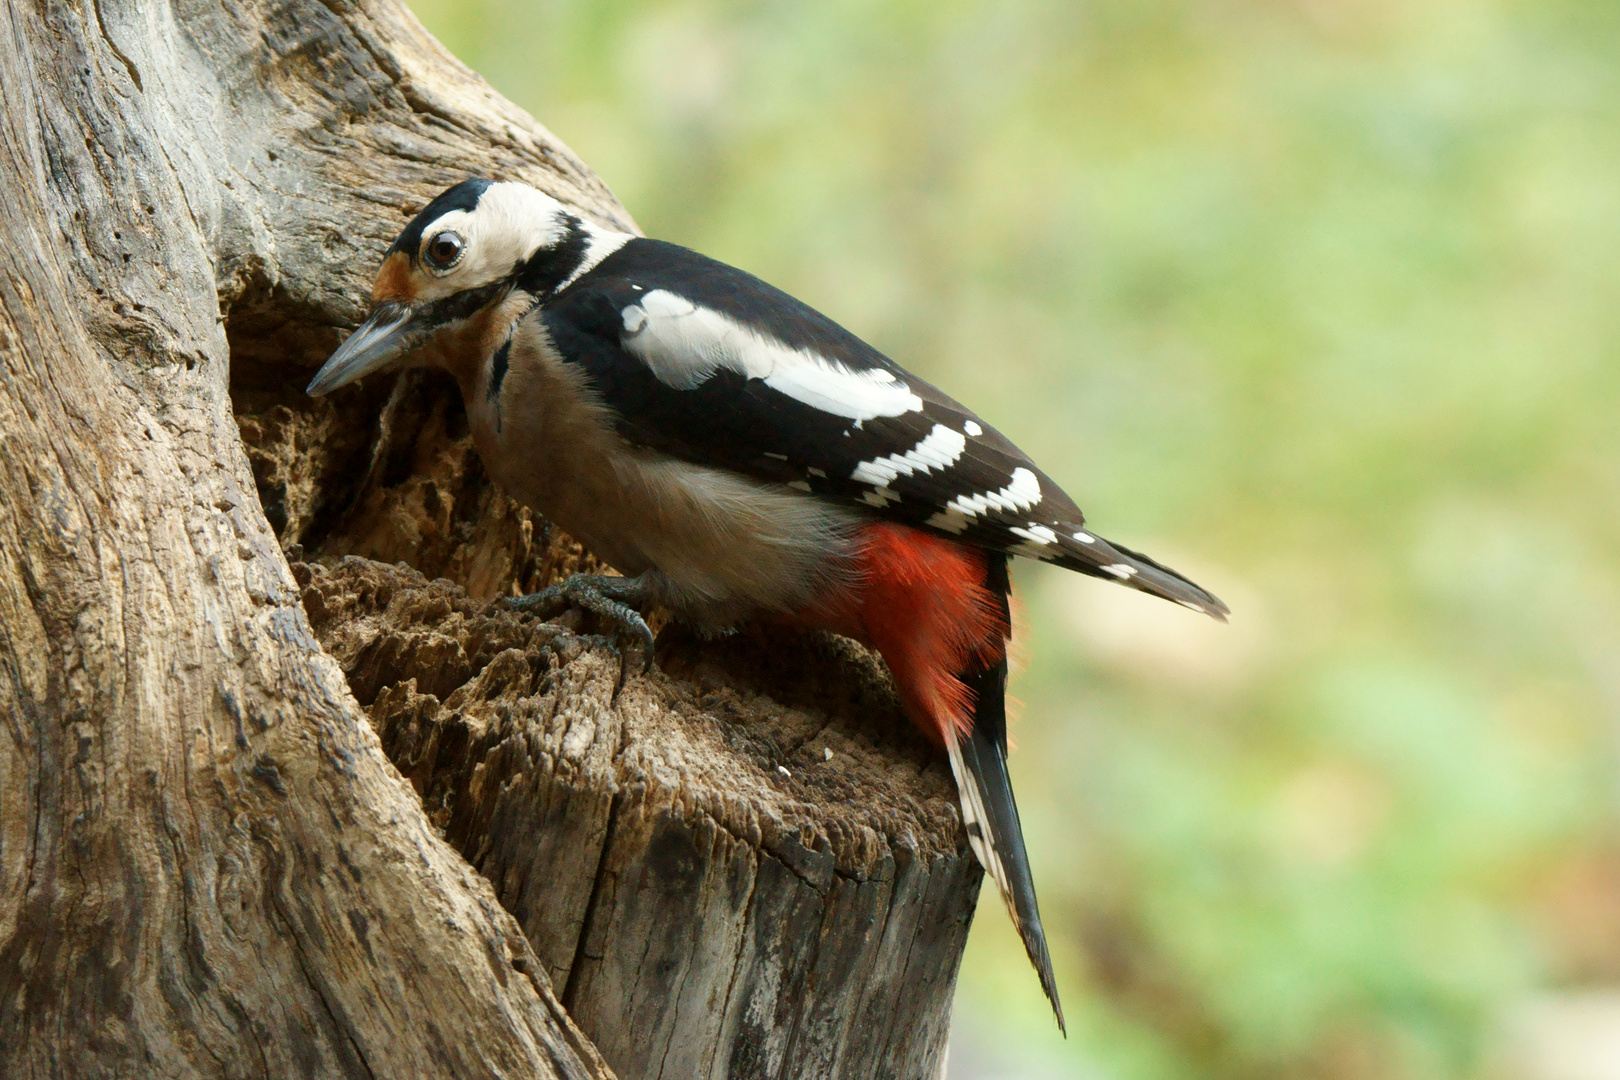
pixel 716 547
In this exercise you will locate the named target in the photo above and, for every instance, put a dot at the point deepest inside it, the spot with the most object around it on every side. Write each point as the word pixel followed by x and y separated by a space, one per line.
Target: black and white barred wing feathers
pixel 704 362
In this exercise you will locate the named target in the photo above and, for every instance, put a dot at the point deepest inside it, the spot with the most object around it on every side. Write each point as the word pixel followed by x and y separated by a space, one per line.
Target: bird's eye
pixel 443 250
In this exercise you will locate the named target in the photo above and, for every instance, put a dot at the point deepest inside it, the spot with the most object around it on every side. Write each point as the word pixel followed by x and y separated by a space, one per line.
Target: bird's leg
pixel 613 598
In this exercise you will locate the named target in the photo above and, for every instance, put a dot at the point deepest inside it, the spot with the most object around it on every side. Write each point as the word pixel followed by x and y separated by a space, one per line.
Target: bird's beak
pixel 390 332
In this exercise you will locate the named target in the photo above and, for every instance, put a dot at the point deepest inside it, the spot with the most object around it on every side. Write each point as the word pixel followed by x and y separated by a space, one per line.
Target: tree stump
pixel 208 867
pixel 746 865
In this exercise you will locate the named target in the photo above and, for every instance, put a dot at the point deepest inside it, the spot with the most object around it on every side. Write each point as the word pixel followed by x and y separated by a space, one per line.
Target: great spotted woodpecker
pixel 740 456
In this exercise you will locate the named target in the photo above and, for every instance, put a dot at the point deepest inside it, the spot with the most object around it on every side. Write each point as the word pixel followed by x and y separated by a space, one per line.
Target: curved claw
pixel 609 597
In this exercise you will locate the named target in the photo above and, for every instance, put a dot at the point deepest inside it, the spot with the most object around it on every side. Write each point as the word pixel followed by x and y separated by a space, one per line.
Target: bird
pixel 736 455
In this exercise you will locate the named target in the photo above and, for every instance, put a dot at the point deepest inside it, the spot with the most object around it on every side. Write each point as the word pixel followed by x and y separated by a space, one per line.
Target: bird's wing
pixel 706 363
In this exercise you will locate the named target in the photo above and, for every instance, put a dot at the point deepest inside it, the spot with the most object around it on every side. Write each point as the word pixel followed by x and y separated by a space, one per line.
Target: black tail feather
pixel 1115 562
pixel 989 812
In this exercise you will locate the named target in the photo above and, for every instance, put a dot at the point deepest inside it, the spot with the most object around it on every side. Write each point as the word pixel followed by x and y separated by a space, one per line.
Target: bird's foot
pixel 611 598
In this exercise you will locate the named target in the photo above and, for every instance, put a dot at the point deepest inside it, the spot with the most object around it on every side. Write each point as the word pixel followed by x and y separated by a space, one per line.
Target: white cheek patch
pixel 939 449
pixel 1023 492
pixel 511 222
pixel 685 345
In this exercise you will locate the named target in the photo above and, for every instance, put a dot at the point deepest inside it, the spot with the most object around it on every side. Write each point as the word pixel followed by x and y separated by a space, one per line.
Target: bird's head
pixel 470 250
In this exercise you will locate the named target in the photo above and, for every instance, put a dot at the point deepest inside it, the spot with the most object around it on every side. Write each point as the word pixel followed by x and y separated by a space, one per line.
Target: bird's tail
pixel 989 813
pixel 937 610
pixel 1115 562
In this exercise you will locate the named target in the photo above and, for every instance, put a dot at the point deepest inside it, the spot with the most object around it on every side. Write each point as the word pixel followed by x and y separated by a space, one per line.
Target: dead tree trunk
pixel 207 865
pixel 721 881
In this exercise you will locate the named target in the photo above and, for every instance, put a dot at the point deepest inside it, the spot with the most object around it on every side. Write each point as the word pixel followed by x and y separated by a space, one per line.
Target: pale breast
pixel 716 546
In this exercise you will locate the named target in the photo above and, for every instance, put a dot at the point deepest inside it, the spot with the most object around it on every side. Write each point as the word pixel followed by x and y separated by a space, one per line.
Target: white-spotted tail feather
pixel 990 817
pixel 976 820
pixel 1085 551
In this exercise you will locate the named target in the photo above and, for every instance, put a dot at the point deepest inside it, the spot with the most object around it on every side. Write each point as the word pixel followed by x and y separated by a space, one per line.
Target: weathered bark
pixel 207 865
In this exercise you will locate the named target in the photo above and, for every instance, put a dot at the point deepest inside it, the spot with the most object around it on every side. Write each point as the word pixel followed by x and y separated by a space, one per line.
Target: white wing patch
pixel 939 449
pixel 1039 534
pixel 1037 542
pixel 685 345
pixel 1021 493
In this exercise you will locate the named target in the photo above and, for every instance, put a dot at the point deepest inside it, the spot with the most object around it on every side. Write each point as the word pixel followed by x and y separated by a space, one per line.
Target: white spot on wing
pixel 1021 493
pixel 685 345
pixel 813 471
pixel 798 485
pixel 951 521
pixel 1039 534
pixel 939 449
pixel 1120 570
pixel 973 429
pixel 880 497
pixel 1085 538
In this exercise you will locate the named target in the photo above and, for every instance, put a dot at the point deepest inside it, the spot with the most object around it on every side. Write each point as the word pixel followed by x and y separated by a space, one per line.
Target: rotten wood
pixel 745 864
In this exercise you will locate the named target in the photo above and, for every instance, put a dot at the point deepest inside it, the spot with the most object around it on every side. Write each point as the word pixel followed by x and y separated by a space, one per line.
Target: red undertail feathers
pixel 921 601
pixel 938 612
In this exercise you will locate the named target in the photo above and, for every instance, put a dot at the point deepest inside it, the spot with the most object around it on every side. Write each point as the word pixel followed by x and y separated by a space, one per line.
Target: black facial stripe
pixel 551 266
pixel 464 196
pixel 498 367
pixel 462 305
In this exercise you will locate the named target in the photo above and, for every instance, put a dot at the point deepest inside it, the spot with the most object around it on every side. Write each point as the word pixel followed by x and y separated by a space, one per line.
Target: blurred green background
pixel 1315 300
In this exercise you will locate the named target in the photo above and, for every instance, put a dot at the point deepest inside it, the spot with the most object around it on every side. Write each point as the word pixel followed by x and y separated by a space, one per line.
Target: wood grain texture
pixel 208 864
pixel 747 864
